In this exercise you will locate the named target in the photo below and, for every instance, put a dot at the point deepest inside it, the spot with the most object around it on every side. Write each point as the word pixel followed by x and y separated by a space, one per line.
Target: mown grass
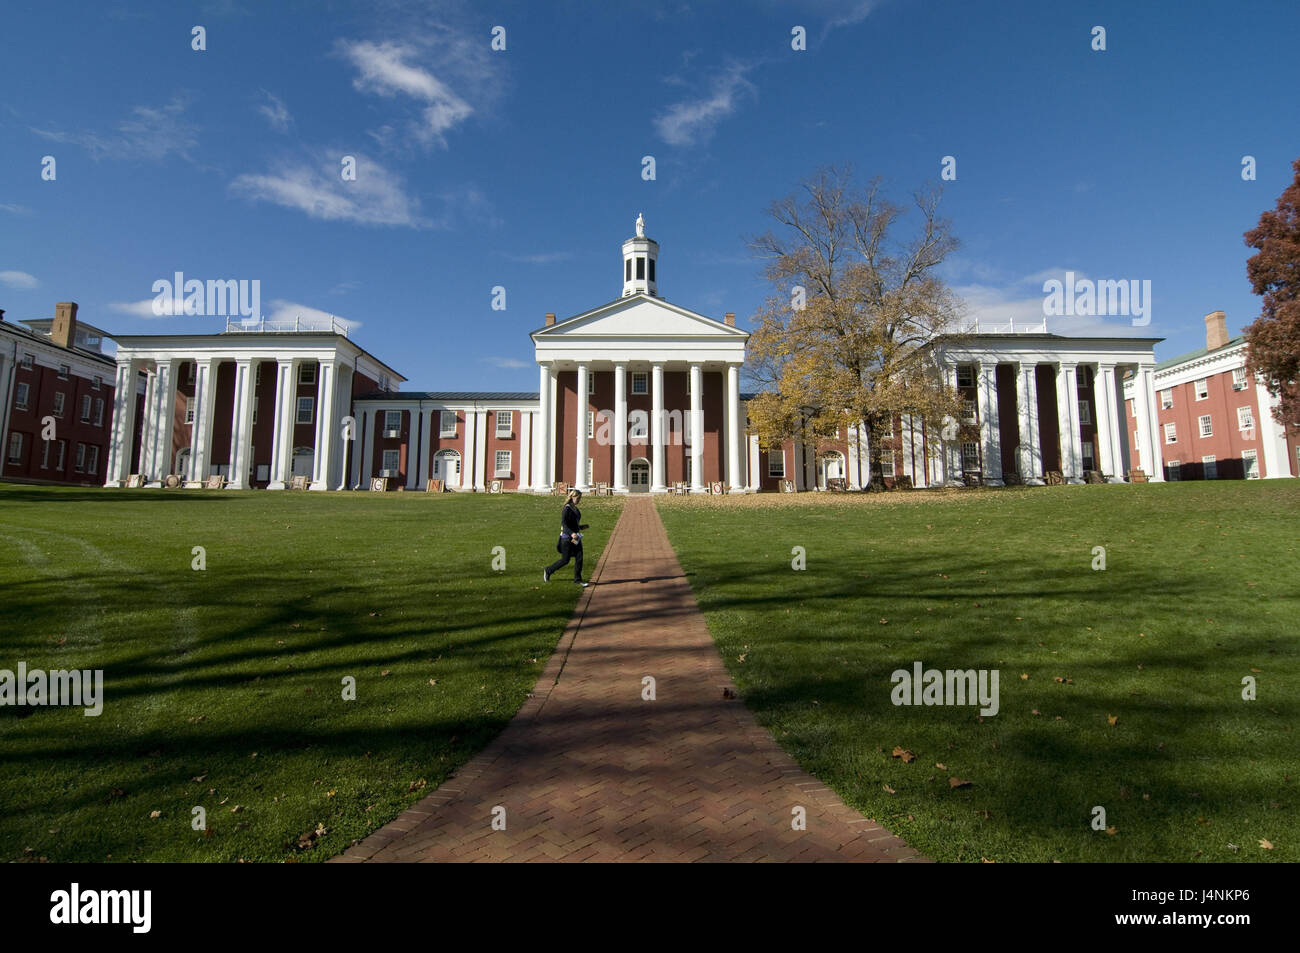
pixel 223 687
pixel 1201 588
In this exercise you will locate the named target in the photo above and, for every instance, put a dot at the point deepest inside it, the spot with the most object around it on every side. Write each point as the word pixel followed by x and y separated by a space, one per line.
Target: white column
pixel 735 479
pixel 580 431
pixel 697 428
pixel 1116 423
pixel 542 439
pixel 241 425
pixel 1103 392
pixel 990 435
pixel 1272 436
pixel 205 398
pixel 1148 428
pixel 286 391
pixel 620 428
pixel 525 431
pixel 149 428
pixel 480 449
pixel 119 450
pixel 1031 454
pixel 426 447
pixel 657 484
pixel 338 475
pixel 367 469
pixel 755 474
pixel 323 456
pixel 953 463
pixel 467 464
pixel 166 427
pixel 852 453
pixel 1067 415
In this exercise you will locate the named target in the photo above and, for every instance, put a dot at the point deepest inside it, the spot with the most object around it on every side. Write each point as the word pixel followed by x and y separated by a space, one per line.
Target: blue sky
pixel 522 168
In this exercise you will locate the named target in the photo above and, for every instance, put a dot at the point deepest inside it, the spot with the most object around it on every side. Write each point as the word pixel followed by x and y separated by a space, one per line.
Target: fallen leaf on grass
pixel 1112 720
pixel 907 756
pixel 1112 831
pixel 941 767
pixel 888 789
pixel 155 814
pixel 1024 676
pixel 416 785
pixel 955 782
pixel 1266 845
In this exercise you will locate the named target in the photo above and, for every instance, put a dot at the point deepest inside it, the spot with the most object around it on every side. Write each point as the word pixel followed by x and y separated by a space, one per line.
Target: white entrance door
pixel 303 459
pixel 446 467
pixel 829 467
pixel 638 476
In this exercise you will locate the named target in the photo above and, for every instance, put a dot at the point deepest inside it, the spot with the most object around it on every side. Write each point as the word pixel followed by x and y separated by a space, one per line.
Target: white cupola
pixel 639 257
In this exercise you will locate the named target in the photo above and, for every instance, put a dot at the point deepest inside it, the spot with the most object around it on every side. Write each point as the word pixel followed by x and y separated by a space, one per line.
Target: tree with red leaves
pixel 1273 341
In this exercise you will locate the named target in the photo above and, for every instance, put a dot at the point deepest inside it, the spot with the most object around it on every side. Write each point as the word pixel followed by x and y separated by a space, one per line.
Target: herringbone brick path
pixel 590 770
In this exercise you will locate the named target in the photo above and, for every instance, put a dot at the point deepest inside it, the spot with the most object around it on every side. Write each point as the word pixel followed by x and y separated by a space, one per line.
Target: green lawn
pixel 1201 588
pixel 223 687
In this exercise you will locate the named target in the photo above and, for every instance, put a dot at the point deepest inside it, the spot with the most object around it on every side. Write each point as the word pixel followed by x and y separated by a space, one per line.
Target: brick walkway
pixel 588 770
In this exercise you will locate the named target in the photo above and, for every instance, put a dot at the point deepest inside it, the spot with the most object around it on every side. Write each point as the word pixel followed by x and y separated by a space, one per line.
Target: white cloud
pixel 693 120
pixel 149 133
pixel 14 209
pixel 141 309
pixel 540 258
pixel 285 312
pixel 276 112
pixel 508 363
pixel 343 287
pixel 376 197
pixel 19 279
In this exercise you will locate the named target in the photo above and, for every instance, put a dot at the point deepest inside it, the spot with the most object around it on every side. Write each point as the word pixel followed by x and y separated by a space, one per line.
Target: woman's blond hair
pixel 572 493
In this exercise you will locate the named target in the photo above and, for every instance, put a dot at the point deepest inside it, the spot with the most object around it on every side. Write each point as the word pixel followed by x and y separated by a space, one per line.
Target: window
pixel 59 399
pixel 63 449
pixel 392 420
pixel 505 423
pixel 1174 469
pixel 45 454
pixel 1089 460
pixel 970 455
pixel 20 396
pixel 1210 468
pixel 190 371
pixel 887 463
pixel 92 459
pixel 28 362
pixel 968 410
pixel 590 469
pixel 447 423
pixel 591 424
pixel 1132 408
pixel 591 383
pixel 1238 378
pixel 189 410
pixel 638 425
pixel 776 463
pixel 96 382
pixel 502 464
pixel 1171 433
pixel 640 267
pixel 1245 418
pixel 1167 399
pixel 305 407
pixel 1207 429
pixel 257 376
pixel 85 408
pixel 1250 461
pixel 15 447
pixel 627 269
pixel 392 459
pixel 307 374
pixel 1203 388
pixel 652 269
pixel 99 411
pixel 965 375
pixel 1085 412
pixel 79 462
pixel 254 413
pixel 64 371
pixel 640 384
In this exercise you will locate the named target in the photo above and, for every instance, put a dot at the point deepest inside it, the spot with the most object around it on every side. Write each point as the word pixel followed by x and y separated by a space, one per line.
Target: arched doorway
pixel 638 476
pixel 830 466
pixel 446 467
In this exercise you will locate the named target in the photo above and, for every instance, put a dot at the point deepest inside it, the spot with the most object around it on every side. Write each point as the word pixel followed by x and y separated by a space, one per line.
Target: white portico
pixel 639 393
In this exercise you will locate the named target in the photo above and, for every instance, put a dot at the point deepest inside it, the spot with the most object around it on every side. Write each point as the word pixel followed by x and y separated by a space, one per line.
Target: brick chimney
pixel 550 318
pixel 1216 330
pixel 64 329
pixel 730 319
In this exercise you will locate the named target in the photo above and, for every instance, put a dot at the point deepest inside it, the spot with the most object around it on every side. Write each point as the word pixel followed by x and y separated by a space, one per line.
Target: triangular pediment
pixel 639 316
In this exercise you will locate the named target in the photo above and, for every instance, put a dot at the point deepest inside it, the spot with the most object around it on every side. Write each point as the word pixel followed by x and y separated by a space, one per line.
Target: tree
pixel 1273 340
pixel 843 339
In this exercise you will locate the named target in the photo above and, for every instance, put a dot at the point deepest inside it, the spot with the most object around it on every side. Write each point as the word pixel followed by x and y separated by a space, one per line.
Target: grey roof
pixel 450 395
pixel 1202 352
pixel 42 339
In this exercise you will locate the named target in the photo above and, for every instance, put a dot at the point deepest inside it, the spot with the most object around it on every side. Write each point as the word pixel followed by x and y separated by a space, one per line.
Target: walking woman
pixel 570 544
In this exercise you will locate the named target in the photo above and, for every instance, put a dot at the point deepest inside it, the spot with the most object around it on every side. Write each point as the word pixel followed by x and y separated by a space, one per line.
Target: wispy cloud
pixel 19 279
pixel 1020 303
pixel 275 112
pixel 150 133
pixel 317 188
pixel 540 258
pixel 142 309
pixel 693 120
pixel 284 311
pixel 13 209
pixel 509 363
pixel 854 14
pixel 343 287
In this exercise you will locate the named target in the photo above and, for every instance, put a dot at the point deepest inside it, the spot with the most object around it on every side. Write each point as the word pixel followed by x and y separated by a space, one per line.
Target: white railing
pixel 329 324
pixel 978 327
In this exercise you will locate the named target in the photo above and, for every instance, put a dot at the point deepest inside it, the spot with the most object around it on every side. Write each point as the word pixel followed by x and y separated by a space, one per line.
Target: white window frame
pixel 79 459
pixel 96 382
pixel 389 417
pixel 1238 378
pixel 309 403
pixel 22 393
pixel 92 459
pixel 1175 471
pixel 1210 468
pixel 14 455
pixel 99 411
pixel 887 463
pixel 591 469
pixel 966 371
pixel 191 371
pixel 1171 433
pixel 497 469
pixel 396 459
pixel 591 424
pixel 1245 420
pixel 65 370
pixel 970 459
pixel 1167 399
pixel 1207 425
pixel 28 362
pixel 508 416
pixel 591 383
pixel 45 454
pixel 86 404
pixel 776 464
pixel 642 378
pixel 189 410
pixel 1253 457
pixel 60 399
pixel 307 373
pixel 1202 388
pixel 63 453
pixel 1085 412
pixel 443 431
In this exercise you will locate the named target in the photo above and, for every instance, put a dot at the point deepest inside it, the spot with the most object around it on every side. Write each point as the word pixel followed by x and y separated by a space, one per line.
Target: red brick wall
pixel 43 383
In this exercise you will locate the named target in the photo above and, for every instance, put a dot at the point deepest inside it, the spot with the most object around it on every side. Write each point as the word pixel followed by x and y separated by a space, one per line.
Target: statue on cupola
pixel 640 225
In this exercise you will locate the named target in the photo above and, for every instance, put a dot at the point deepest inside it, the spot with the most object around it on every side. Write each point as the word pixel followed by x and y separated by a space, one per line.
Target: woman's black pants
pixel 571 551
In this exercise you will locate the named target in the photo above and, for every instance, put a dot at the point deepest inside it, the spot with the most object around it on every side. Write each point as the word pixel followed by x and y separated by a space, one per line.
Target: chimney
pixel 64 329
pixel 550 318
pixel 1216 330
pixel 730 319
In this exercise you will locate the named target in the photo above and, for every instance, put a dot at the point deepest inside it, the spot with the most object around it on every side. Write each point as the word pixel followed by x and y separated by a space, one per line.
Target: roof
pixel 49 342
pixel 450 395
pixel 1203 352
